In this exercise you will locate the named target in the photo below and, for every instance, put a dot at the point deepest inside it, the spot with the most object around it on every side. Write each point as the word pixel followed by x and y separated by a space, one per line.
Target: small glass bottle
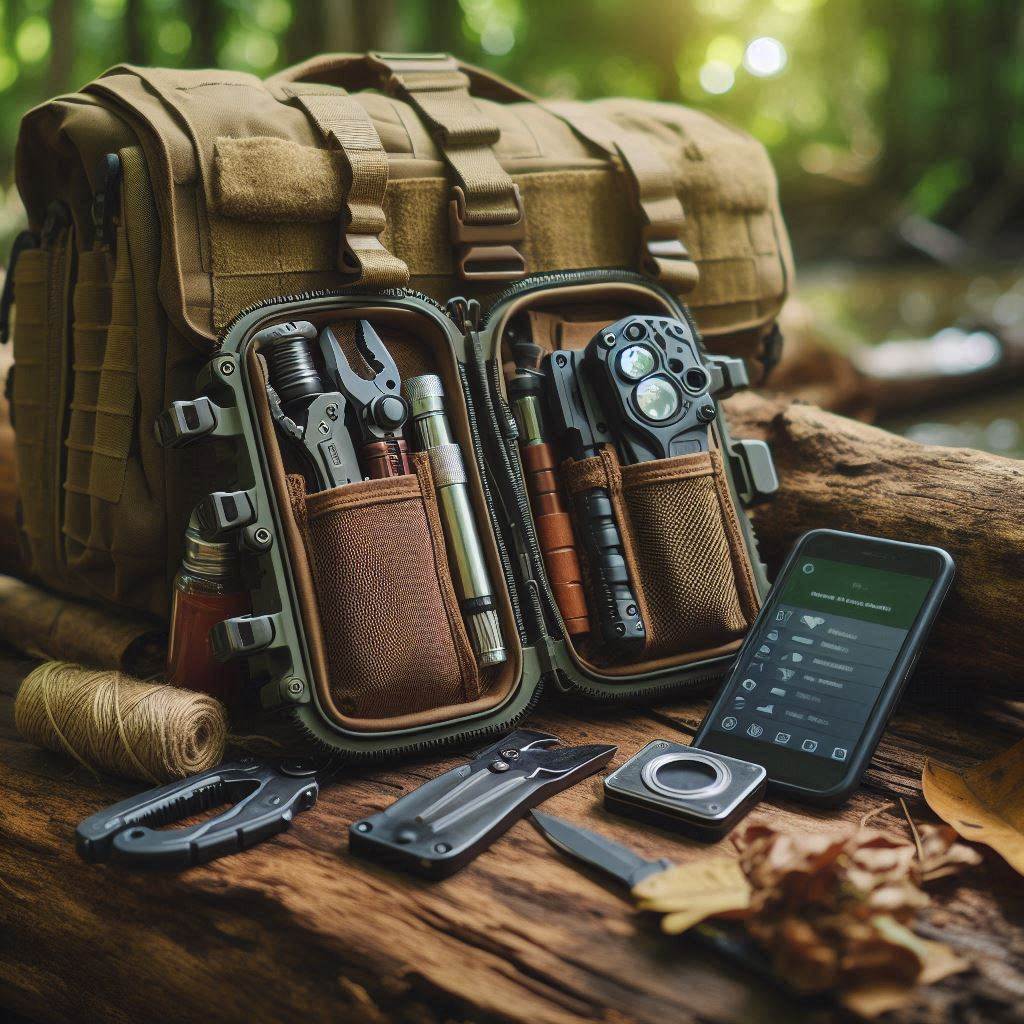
pixel 207 589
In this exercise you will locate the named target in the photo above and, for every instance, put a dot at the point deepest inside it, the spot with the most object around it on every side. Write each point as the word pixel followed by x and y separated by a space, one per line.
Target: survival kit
pixel 398 395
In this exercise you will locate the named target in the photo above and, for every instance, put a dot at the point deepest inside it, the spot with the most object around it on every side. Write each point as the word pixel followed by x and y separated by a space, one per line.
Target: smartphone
pixel 824 663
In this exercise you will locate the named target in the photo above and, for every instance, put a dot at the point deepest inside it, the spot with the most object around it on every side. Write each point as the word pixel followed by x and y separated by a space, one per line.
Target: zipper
pixel 466 316
pixel 481 465
pixel 648 691
pixel 445 742
pixel 553 278
pixel 105 199
pixel 315 295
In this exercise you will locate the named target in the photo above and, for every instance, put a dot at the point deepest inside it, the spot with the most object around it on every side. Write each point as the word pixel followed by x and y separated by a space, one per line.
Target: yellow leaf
pixel 985 804
pixel 690 893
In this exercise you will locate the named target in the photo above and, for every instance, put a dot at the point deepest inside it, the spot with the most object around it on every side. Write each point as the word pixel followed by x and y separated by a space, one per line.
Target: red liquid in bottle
pixel 207 590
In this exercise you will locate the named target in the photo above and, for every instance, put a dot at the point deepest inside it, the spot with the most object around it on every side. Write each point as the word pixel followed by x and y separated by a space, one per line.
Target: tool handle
pixel 386 458
pixel 618 614
pixel 134 831
pixel 440 827
pixel 555 533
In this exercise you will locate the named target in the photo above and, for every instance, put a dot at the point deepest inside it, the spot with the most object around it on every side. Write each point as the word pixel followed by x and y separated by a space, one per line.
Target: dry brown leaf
pixel 878 994
pixel 829 909
pixel 985 804
pixel 689 893
pixel 941 855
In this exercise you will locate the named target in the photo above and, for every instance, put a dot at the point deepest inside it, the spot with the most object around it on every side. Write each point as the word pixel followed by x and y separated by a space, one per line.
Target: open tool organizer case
pixel 356 631
pixel 169 213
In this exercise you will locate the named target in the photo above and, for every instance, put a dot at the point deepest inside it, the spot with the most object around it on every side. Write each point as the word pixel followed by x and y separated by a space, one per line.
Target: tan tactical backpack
pixel 163 203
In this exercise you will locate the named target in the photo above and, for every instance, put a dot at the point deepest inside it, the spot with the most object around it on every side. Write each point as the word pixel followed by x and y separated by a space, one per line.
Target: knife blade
pixel 629 868
pixel 605 854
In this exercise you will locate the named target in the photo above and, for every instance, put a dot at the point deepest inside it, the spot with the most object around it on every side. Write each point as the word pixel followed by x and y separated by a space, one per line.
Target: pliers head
pixel 380 410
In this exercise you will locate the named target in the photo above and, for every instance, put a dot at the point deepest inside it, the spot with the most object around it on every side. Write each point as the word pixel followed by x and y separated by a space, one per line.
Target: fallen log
pixel 840 473
pixel 872 383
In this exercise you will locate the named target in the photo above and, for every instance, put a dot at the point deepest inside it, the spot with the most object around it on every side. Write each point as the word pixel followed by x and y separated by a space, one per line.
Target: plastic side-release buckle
pixel 753 470
pixel 487 252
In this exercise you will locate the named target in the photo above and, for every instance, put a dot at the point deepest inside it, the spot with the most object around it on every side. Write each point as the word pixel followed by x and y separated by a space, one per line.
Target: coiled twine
pixel 111 722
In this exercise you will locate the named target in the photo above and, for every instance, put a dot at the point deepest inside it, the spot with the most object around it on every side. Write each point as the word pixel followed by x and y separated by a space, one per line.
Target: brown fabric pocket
pixel 43 280
pixel 683 546
pixel 393 634
pixel 89 337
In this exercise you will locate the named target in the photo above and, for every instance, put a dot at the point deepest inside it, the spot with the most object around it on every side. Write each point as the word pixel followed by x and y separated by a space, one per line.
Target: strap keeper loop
pixel 664 257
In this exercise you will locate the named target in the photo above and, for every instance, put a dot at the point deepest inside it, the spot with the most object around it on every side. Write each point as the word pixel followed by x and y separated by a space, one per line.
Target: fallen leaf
pixel 880 993
pixel 941 855
pixel 689 893
pixel 985 804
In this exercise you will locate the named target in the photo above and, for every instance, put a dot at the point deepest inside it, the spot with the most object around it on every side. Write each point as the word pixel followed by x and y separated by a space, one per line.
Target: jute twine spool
pixel 111 722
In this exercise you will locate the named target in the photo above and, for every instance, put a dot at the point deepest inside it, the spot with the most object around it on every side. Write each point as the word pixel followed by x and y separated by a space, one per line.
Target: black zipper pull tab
pixel 24 240
pixel 466 313
pixel 58 217
pixel 105 199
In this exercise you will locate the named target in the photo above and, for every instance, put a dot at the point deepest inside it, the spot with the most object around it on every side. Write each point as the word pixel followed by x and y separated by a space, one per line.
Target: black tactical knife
pixel 440 827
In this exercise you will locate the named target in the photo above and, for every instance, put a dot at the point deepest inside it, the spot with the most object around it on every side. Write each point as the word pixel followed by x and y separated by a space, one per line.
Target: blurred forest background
pixel 897 127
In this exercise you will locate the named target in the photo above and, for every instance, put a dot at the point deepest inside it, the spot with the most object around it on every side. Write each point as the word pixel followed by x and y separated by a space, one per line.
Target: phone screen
pixel 820 655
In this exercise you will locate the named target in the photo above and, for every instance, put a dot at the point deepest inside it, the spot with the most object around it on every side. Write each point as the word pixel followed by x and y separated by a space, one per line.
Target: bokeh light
pixel 765 56
pixel 717 77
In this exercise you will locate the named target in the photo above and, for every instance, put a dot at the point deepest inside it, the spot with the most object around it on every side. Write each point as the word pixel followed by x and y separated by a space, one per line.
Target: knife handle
pixel 437 829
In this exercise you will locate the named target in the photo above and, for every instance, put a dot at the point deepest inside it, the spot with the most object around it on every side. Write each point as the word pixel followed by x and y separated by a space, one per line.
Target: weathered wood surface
pixel 298 930
pixel 839 473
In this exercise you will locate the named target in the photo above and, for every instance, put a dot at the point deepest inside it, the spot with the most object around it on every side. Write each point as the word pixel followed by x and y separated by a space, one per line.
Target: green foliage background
pixel 911 107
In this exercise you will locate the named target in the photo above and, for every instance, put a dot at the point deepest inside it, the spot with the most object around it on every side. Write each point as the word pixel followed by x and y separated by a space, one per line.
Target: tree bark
pixel 845 475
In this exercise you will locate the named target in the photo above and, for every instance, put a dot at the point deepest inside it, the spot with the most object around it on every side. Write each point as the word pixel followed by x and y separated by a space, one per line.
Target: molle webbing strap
pixel 439 90
pixel 662 253
pixel 486 210
pixel 346 124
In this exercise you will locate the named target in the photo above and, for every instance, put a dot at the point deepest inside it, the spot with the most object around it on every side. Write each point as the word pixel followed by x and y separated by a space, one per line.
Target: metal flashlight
pixel 425 395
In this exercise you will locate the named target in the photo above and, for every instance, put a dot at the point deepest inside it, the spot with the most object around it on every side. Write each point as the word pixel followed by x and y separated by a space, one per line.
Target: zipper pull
pixel 466 313
pixel 105 199
pixel 58 216
pixel 24 240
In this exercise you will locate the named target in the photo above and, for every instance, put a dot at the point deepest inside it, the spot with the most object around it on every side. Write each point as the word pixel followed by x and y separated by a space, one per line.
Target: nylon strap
pixel 439 90
pixel 344 123
pixel 662 253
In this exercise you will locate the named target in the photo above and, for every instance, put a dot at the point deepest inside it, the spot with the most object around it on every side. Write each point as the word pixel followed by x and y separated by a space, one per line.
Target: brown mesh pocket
pixel 392 631
pixel 693 566
pixel 682 545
